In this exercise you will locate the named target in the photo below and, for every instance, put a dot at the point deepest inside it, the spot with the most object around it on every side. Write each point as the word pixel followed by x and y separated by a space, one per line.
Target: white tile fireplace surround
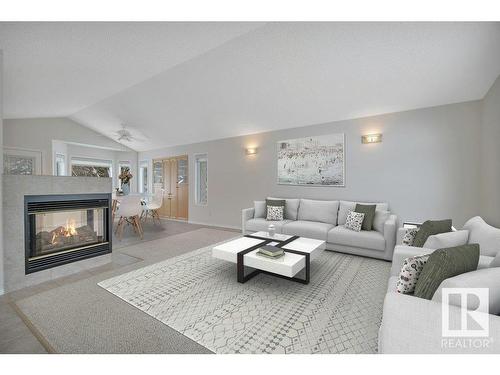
pixel 15 188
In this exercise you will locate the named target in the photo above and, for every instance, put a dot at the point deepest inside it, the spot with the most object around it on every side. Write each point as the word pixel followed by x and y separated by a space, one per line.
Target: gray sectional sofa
pixel 414 325
pixel 325 220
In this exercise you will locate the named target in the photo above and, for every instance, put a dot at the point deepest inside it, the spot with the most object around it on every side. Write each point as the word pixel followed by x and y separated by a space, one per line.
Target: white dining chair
pixel 129 212
pixel 153 206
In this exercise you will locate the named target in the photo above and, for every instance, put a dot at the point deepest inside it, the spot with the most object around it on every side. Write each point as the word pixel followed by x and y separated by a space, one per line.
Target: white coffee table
pixel 299 251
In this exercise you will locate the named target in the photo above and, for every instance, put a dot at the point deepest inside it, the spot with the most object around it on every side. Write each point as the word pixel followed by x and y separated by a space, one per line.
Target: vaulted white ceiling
pixel 221 80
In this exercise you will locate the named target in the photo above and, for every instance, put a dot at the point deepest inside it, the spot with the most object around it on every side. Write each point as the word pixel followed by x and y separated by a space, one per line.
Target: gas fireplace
pixel 60 229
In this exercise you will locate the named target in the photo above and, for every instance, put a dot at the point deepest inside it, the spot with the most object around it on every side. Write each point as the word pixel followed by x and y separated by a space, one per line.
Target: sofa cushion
pixel 260 209
pixel 346 206
pixel 485 235
pixel 367 239
pixel 495 262
pixel 430 227
pixel 443 264
pixel 450 239
pixel 322 211
pixel 381 216
pixel 484 278
pixel 309 229
pixel 261 223
pixel 291 207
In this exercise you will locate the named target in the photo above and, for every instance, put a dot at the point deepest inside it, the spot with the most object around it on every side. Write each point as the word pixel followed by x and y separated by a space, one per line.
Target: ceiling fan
pixel 125 135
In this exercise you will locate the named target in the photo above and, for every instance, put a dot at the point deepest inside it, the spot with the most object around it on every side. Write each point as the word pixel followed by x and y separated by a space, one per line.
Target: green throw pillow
pixel 443 264
pixel 369 211
pixel 275 202
pixel 429 228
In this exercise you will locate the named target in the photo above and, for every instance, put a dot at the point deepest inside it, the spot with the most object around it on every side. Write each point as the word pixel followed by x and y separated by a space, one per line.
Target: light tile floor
pixel 15 335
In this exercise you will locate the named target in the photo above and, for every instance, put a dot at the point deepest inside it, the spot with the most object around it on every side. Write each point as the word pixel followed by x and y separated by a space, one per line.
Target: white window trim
pixel 199 157
pixel 143 164
pixel 14 151
pixel 83 160
pixel 56 154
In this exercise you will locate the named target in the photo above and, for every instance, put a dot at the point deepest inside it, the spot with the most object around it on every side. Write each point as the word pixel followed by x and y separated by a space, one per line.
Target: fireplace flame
pixel 67 231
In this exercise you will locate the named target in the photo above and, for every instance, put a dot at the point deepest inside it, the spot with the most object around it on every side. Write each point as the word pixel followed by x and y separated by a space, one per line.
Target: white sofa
pixel 325 220
pixel 413 325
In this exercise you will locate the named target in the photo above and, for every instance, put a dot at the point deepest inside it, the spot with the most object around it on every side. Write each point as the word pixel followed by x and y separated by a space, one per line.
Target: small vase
pixel 271 230
pixel 126 189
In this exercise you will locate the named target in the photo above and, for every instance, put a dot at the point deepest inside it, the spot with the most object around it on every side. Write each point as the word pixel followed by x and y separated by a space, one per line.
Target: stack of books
pixel 272 252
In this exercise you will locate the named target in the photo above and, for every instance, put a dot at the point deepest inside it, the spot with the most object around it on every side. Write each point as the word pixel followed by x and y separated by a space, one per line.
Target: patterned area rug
pixel 339 311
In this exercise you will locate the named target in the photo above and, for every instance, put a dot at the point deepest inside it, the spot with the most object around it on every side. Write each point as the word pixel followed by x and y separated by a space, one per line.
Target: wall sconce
pixel 371 138
pixel 251 150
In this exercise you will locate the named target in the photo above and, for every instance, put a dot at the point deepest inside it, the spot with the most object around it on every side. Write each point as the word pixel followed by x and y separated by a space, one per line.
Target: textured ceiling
pixel 273 76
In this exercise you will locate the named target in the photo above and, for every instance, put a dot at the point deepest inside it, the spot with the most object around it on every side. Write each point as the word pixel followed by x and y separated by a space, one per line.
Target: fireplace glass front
pixel 64 230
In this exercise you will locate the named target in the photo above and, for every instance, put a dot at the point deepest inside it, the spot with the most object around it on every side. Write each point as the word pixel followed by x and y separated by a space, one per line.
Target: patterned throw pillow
pixel 275 213
pixel 409 274
pixel 354 221
pixel 409 236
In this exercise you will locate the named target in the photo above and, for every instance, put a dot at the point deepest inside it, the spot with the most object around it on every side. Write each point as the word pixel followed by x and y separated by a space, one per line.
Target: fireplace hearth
pixel 61 229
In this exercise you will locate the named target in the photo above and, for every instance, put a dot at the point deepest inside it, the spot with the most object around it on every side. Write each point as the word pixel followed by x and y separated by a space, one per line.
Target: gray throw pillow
pixel 430 227
pixel 369 211
pixel 443 264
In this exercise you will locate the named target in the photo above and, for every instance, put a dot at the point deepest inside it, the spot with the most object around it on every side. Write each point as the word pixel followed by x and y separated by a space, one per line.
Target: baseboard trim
pixel 215 225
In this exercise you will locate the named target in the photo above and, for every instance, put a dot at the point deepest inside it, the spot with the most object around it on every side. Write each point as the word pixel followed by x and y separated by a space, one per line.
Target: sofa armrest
pixel 413 325
pixel 246 214
pixel 401 252
pixel 390 227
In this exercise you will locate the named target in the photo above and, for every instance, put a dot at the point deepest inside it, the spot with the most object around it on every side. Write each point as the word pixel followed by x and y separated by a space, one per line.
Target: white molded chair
pixel 153 206
pixel 129 212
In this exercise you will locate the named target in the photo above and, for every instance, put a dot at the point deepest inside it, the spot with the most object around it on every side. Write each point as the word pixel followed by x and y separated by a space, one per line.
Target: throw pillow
pixel 485 235
pixel 369 211
pixel 259 209
pixel 381 217
pixel 275 213
pixel 291 207
pixel 409 236
pixel 450 239
pixel 429 228
pixel 274 203
pixel 443 264
pixel 354 221
pixel 409 274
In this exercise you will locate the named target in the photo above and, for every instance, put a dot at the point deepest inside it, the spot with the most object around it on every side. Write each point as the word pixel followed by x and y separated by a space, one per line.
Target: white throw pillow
pixel 409 236
pixel 410 272
pixel 354 221
pixel 485 235
pixel 275 213
pixel 259 209
pixel 448 239
pixel 381 217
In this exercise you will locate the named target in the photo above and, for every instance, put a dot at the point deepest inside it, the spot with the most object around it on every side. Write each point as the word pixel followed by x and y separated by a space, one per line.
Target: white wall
pixel 490 156
pixel 50 135
pixel 427 166
pixel 2 275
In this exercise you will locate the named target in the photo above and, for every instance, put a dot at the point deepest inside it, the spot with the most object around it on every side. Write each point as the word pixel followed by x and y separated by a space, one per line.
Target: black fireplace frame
pixel 47 203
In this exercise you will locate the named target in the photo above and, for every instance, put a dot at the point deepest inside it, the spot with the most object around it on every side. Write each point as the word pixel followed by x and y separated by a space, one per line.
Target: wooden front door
pixel 174 181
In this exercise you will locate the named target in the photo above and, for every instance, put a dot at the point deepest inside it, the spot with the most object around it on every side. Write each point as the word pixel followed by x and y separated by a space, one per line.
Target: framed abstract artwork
pixel 312 161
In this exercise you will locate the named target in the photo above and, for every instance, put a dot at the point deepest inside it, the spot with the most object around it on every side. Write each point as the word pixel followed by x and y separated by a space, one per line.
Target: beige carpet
pixel 81 317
